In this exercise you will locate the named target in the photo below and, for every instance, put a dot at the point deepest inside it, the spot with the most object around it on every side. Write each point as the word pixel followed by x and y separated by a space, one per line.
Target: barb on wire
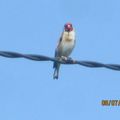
pixel 62 61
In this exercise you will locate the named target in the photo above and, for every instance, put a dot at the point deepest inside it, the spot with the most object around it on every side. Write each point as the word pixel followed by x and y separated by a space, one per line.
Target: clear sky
pixel 27 88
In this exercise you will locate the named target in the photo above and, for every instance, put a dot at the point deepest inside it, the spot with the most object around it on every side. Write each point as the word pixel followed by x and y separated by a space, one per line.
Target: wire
pixel 90 64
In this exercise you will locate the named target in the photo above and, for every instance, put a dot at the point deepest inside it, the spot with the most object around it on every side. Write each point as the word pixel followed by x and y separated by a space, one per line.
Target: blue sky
pixel 27 88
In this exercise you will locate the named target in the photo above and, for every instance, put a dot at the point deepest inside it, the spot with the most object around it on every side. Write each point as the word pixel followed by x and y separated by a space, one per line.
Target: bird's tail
pixel 56 71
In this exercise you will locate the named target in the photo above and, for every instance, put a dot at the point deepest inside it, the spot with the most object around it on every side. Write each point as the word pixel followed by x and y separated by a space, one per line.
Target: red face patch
pixel 68 27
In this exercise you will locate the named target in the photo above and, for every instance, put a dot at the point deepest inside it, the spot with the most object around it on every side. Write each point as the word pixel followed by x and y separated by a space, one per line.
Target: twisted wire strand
pixel 90 64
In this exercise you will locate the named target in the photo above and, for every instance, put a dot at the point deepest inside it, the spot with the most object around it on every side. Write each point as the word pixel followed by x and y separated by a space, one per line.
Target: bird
pixel 64 47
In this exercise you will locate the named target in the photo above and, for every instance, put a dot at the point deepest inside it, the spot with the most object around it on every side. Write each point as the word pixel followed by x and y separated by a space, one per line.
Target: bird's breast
pixel 68 36
pixel 67 43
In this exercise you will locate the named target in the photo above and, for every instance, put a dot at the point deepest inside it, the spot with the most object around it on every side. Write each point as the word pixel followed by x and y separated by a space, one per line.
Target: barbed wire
pixel 90 64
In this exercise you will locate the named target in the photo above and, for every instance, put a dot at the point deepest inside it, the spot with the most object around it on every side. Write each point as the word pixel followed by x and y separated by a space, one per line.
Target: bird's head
pixel 68 27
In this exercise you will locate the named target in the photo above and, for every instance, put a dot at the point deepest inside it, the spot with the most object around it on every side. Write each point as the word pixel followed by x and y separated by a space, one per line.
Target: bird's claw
pixel 66 58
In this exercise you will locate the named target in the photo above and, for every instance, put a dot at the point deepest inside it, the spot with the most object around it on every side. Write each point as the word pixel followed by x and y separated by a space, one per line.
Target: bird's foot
pixel 66 58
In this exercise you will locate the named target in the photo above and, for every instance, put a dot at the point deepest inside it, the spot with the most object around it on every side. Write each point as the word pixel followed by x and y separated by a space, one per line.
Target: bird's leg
pixel 66 58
